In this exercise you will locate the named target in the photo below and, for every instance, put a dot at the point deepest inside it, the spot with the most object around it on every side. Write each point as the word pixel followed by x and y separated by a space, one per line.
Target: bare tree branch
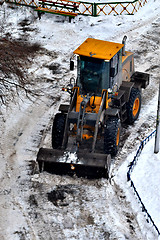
pixel 14 58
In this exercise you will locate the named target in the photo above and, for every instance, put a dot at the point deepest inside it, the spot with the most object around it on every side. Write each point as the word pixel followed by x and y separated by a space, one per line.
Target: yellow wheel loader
pixel 106 93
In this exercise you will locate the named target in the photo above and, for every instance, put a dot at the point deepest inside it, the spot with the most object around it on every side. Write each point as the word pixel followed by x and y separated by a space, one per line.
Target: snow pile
pixel 146 177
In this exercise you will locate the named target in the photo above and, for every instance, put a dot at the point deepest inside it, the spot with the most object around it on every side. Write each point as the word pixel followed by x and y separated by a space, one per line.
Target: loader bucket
pixel 89 165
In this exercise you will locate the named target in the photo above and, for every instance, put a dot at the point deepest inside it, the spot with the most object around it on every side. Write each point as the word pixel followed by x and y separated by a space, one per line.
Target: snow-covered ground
pixel 145 176
pixel 146 179
pixel 83 209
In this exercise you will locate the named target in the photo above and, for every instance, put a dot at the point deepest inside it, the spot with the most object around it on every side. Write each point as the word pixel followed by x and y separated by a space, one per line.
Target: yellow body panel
pixel 88 131
pixel 128 66
pixel 98 49
pixel 93 100
pixel 127 54
pixel 97 103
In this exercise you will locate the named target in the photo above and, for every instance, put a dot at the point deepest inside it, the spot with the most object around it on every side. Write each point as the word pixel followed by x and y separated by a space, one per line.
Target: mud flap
pixel 82 164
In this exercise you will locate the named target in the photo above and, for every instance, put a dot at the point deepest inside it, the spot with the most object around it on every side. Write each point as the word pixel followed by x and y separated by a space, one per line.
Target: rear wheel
pixel 112 135
pixel 134 105
pixel 58 130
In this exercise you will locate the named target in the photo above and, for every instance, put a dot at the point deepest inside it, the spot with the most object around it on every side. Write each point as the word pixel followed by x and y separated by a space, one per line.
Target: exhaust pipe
pixel 124 42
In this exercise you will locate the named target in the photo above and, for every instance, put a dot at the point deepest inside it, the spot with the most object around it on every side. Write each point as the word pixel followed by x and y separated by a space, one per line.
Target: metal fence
pixel 111 8
pixel 27 3
pixel 131 167
pixel 93 8
pixel 135 159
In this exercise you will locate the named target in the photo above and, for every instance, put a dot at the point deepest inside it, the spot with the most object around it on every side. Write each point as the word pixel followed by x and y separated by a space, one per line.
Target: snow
pixel 95 209
pixel 146 178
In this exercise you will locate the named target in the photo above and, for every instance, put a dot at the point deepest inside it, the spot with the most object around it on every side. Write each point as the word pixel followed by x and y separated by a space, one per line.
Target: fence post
pixel 94 9
pixel 157 136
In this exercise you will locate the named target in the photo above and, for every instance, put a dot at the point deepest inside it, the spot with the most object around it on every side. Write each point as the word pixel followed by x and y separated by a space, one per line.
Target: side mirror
pixel 71 65
pixel 112 72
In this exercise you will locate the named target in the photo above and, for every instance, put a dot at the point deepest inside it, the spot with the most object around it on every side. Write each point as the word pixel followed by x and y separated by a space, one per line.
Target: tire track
pixel 100 202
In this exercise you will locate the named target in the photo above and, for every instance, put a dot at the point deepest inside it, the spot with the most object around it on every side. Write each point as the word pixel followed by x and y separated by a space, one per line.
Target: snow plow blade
pixel 89 165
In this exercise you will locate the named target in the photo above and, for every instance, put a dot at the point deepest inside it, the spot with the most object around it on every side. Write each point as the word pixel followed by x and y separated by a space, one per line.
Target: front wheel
pixel 58 130
pixel 133 105
pixel 112 135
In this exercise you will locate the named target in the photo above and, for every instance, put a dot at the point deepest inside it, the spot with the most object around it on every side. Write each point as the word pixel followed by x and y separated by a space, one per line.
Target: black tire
pixel 112 135
pixel 133 105
pixel 58 130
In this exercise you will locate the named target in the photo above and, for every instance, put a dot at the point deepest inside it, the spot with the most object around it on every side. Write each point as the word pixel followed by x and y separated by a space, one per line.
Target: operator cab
pixel 93 75
pixel 99 65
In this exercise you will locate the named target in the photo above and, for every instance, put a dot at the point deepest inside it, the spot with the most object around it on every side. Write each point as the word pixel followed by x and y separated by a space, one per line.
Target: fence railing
pixel 131 167
pixel 135 159
pixel 27 3
pixel 94 8
pixel 114 8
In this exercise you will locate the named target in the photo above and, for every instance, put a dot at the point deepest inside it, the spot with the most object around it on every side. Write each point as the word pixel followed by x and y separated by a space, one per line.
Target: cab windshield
pixel 91 74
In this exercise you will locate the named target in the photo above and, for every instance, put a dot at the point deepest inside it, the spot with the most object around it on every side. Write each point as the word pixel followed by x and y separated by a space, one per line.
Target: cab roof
pixel 98 49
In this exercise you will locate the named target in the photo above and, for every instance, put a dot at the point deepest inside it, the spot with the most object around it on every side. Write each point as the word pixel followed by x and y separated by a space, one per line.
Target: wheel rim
pixel 117 138
pixel 135 107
